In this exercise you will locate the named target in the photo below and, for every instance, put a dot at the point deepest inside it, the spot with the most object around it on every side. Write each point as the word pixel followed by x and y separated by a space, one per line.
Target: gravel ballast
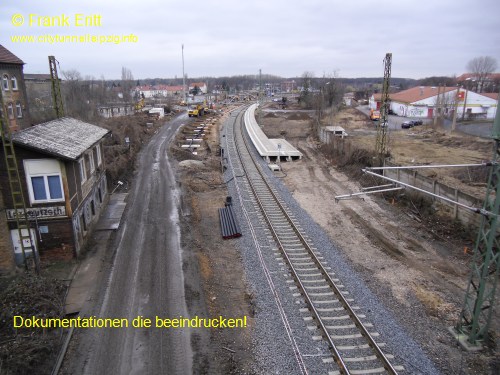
pixel 267 280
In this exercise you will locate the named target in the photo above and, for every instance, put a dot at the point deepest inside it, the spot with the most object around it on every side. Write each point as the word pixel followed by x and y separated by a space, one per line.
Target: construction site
pixel 295 220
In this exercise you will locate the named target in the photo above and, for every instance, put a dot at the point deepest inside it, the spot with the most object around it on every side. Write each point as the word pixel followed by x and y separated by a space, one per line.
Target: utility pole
pixel 477 309
pixel 381 145
pixel 437 108
pixel 465 99
pixel 455 108
pixel 260 86
pixel 56 88
pixel 183 78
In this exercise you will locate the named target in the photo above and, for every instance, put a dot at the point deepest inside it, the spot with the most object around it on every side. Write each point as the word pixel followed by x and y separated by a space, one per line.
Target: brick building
pixel 61 166
pixel 15 100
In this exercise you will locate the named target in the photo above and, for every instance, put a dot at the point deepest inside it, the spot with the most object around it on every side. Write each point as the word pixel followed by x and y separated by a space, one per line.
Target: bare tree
pixel 127 74
pixel 305 95
pixel 127 83
pixel 481 67
pixel 73 93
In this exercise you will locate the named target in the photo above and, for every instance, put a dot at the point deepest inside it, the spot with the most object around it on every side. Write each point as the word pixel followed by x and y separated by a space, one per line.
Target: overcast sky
pixel 281 37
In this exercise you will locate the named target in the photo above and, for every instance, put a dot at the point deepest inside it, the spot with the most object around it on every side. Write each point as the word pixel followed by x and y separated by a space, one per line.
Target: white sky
pixel 281 37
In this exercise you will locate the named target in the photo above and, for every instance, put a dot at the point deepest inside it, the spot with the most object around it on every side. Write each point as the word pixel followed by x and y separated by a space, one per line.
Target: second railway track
pixel 330 314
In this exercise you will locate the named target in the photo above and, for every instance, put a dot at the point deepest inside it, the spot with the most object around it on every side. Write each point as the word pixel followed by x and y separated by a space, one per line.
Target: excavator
pixel 139 105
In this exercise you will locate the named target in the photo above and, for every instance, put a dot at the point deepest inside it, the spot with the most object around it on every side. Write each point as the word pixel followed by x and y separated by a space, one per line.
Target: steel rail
pixel 363 330
pixel 281 310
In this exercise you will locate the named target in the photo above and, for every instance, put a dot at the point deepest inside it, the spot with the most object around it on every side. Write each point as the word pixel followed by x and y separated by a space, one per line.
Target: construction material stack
pixel 229 225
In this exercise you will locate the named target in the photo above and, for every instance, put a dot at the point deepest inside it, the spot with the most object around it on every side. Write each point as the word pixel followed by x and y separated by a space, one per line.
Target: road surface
pixel 146 279
pixel 478 129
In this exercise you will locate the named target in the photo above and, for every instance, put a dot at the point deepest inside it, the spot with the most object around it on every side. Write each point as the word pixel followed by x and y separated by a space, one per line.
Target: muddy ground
pixel 417 264
pixel 219 263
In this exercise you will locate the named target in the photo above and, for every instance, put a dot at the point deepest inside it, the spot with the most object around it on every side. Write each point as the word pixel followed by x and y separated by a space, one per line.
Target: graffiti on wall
pixel 417 112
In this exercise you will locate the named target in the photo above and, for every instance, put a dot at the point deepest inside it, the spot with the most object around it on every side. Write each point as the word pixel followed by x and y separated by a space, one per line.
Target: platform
pixel 269 149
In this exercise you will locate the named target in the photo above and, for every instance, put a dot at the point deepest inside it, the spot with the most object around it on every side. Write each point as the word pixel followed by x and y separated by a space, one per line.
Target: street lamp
pixel 119 183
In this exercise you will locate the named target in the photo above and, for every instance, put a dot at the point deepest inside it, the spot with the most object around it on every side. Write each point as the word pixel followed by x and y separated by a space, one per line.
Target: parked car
pixel 417 122
pixel 407 125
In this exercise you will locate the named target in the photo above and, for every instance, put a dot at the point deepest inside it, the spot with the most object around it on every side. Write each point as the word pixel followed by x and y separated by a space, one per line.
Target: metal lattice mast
pixel 381 145
pixel 16 191
pixel 477 310
pixel 56 88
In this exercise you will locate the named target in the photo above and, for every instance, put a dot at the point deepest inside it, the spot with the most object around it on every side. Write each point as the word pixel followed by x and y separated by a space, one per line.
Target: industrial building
pixel 424 101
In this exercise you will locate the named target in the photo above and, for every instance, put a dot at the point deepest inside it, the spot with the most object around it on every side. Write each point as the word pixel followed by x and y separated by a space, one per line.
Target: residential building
pixel 40 101
pixel 62 170
pixel 288 86
pixel 480 83
pixel 201 85
pixel 14 96
pixel 157 91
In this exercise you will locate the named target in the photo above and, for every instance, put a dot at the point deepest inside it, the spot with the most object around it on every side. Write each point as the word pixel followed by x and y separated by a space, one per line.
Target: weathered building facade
pixel 116 110
pixel 61 166
pixel 15 101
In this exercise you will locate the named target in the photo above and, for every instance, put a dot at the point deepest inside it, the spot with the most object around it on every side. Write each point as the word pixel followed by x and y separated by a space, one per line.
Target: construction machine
pixel 196 110
pixel 374 115
pixel 139 105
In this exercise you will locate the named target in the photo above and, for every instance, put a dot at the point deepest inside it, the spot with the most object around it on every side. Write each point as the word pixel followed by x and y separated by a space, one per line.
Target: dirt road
pixel 146 279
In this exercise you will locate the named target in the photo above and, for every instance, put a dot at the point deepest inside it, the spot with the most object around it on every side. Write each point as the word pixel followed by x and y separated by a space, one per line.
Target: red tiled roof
pixel 174 88
pixel 158 88
pixel 463 77
pixel 418 93
pixel 8 57
pixel 414 94
pixel 492 95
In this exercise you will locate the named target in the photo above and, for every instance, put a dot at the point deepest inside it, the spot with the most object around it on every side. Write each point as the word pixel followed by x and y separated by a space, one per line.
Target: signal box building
pixel 61 167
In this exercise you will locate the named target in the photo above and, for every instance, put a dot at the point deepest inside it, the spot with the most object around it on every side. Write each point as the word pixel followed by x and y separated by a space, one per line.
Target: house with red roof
pixel 201 85
pixel 158 91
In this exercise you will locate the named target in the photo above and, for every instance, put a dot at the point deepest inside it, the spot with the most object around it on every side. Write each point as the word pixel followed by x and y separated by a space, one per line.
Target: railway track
pixel 330 314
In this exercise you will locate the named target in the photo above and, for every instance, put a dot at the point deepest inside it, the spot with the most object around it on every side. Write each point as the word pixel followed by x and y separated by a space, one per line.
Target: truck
pixel 196 110
pixel 374 115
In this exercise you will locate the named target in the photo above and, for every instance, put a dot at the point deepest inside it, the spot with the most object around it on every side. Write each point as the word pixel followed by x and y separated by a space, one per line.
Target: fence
pixel 413 178
pixel 342 146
